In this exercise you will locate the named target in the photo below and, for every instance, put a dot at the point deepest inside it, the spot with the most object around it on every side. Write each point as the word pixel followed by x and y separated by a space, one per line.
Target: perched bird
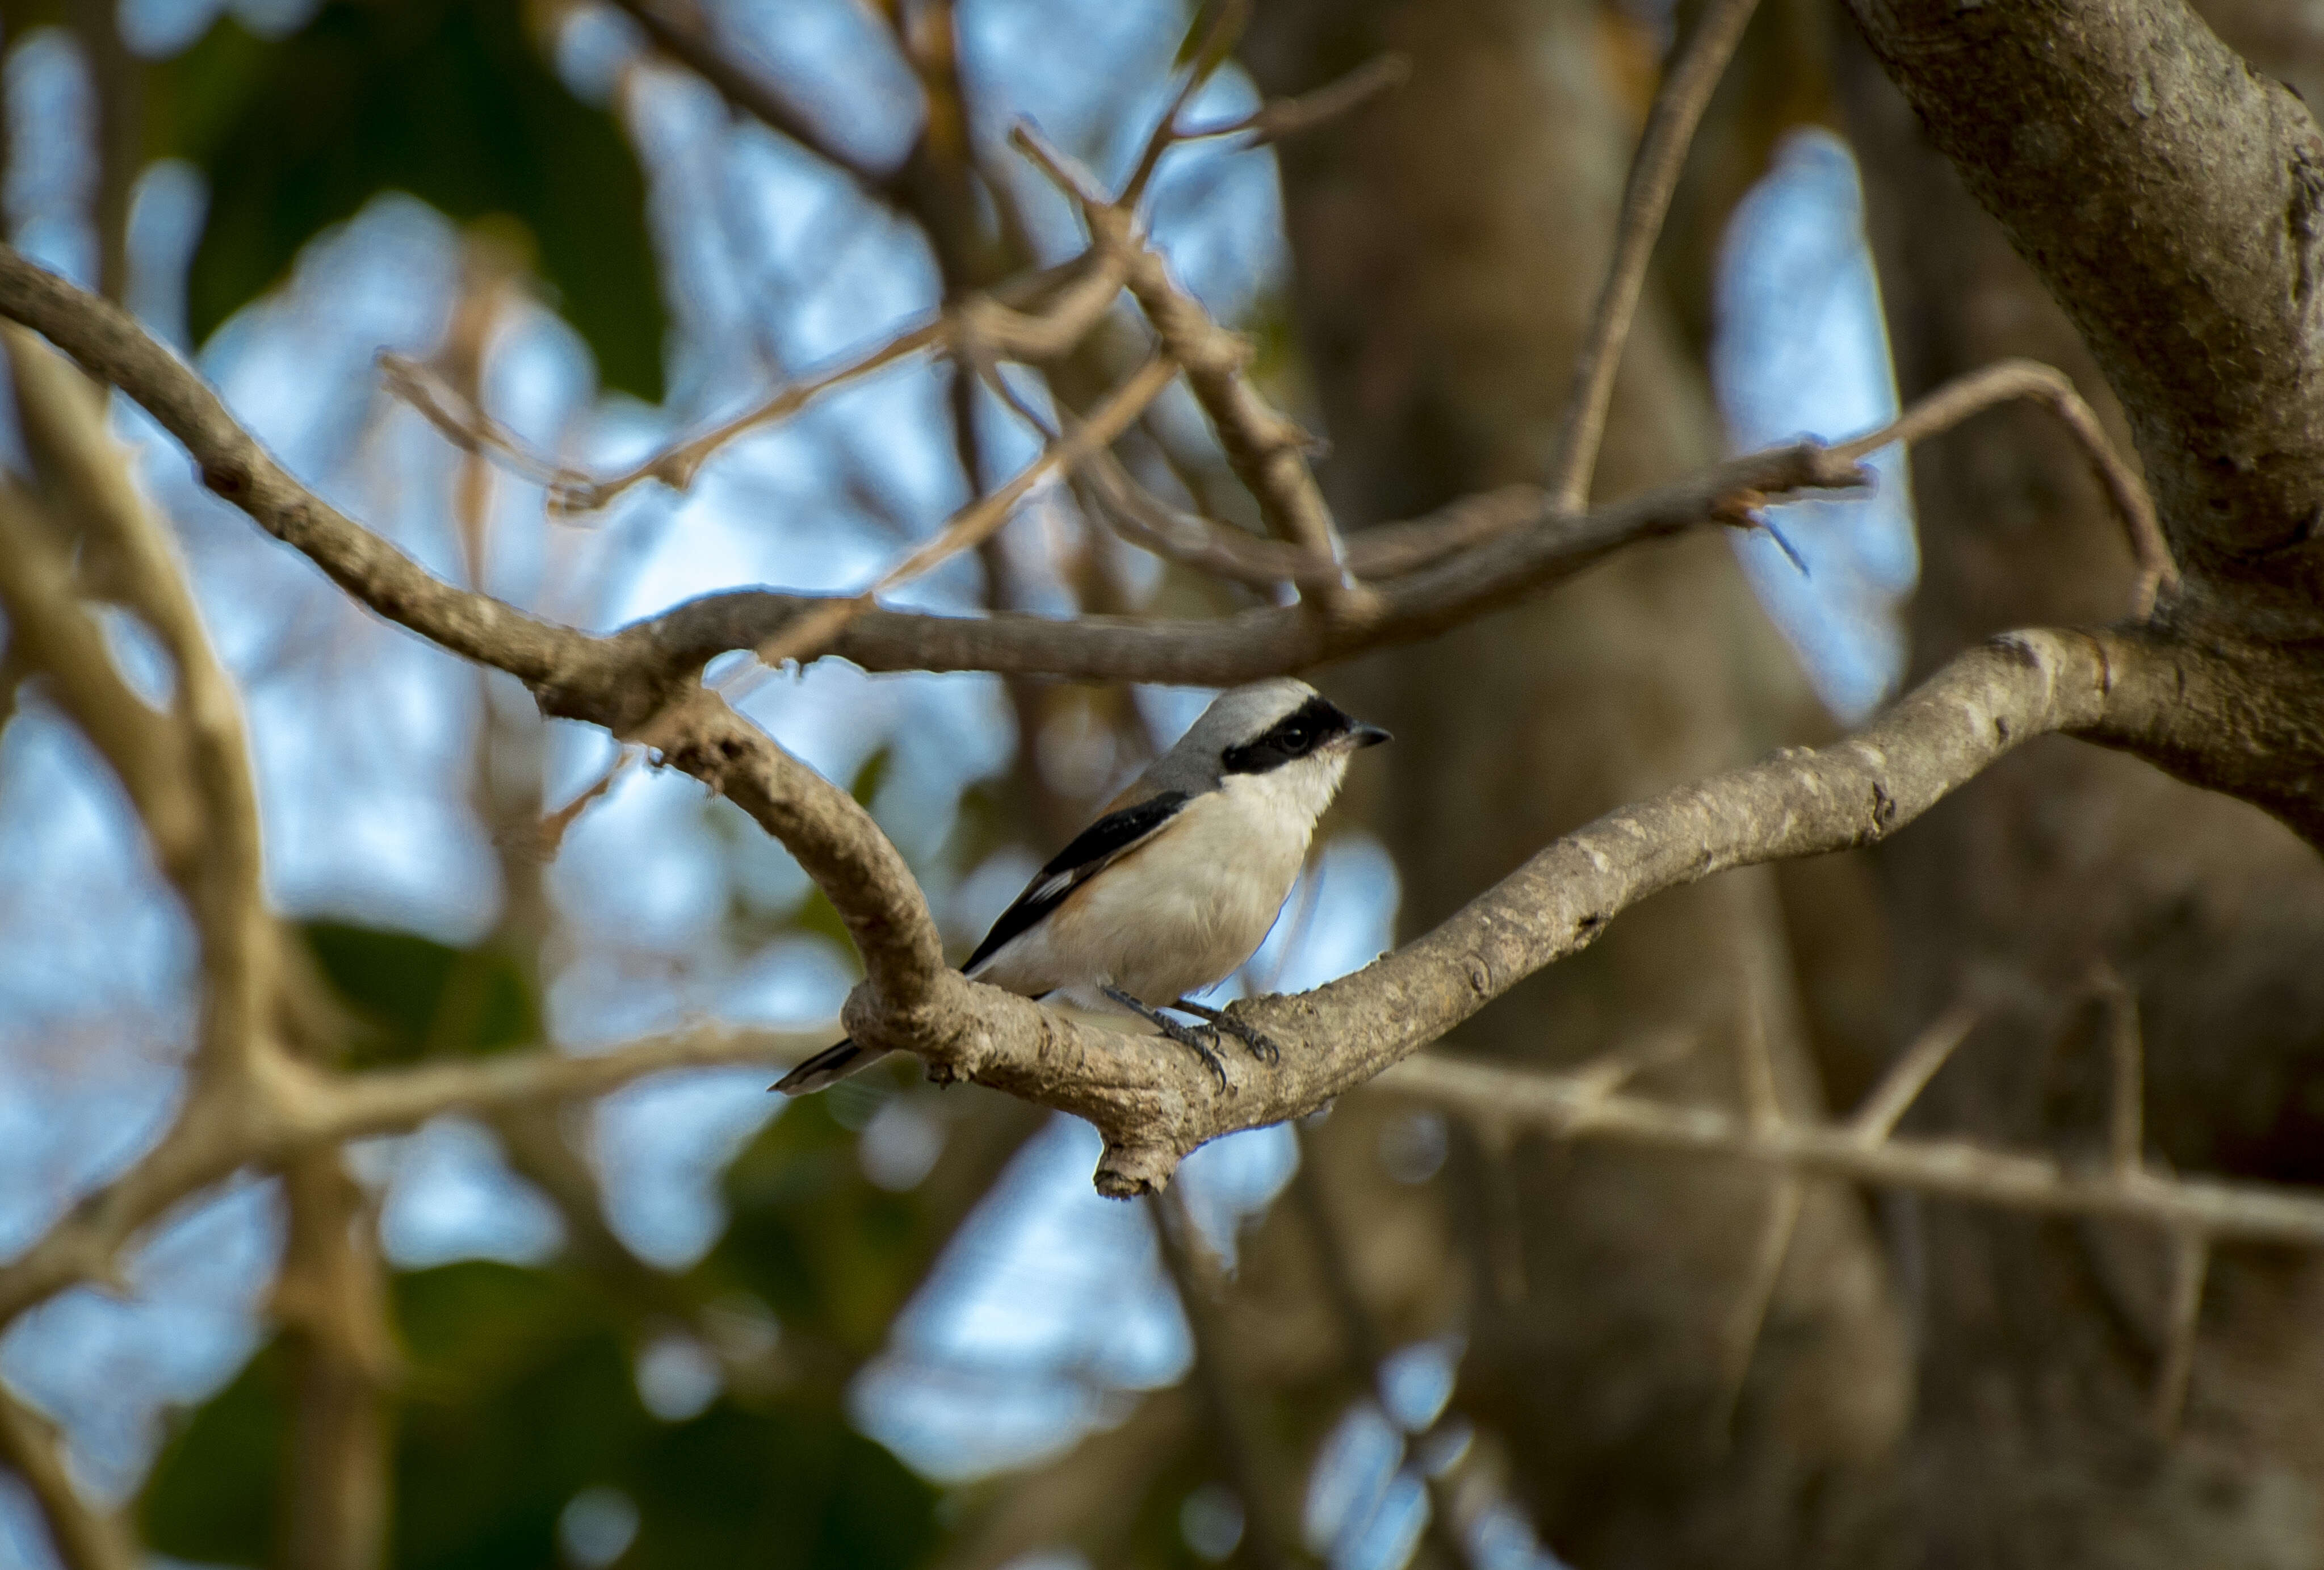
pixel 1171 890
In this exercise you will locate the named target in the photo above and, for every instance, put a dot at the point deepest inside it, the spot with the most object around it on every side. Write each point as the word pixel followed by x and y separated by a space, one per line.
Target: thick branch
pixel 2172 200
pixel 1154 1104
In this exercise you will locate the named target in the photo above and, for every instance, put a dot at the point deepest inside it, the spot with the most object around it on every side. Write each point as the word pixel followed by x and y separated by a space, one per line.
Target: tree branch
pixel 63 418
pixel 293 1108
pixel 1998 382
pixel 2193 1214
pixel 2172 201
pixel 1149 1102
pixel 86 1537
pixel 1653 176
pixel 691 46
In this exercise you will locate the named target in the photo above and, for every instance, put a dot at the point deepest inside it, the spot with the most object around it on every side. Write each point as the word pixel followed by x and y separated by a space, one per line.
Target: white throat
pixel 1297 792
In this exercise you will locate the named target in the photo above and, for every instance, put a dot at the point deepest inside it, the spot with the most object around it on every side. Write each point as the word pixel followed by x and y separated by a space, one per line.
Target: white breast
pixel 1184 911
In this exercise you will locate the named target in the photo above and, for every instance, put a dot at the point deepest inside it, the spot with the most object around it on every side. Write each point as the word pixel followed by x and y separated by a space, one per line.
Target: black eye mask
pixel 1291 737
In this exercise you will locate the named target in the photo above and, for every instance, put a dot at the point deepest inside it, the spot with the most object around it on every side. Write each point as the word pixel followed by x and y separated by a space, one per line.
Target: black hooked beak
pixel 1360 735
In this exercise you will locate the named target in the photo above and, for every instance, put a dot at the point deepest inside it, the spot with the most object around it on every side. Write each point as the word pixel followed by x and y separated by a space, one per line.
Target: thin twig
pixel 1217 43
pixel 2190 1261
pixel 1034 318
pixel 86 1537
pixel 466 427
pixel 1653 176
pixel 1280 117
pixel 548 834
pixel 691 46
pixel 1785 1198
pixel 971 526
pixel 2004 379
pixel 1878 1118
pixel 676 465
pixel 1267 451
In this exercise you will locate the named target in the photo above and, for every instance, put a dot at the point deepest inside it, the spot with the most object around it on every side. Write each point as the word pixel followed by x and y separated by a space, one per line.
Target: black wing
pixel 1092 849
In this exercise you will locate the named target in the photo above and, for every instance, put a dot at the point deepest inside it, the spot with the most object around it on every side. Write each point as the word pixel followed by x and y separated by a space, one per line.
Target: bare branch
pixel 1241 648
pixel 623 682
pixel 1878 1118
pixel 1958 1169
pixel 64 423
pixel 690 45
pixel 290 1107
pixel 86 1537
pixel 1653 176
pixel 1266 450
pixel 1999 383
pixel 808 636
pixel 1280 117
pixel 2191 1261
pixel 386 1100
pixel 1153 1107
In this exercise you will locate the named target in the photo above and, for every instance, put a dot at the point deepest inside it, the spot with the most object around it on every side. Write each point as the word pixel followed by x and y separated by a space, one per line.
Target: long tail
pixel 827 1068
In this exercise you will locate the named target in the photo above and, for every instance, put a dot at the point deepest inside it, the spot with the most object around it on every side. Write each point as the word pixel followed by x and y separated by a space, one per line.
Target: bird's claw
pixel 1259 1044
pixel 1255 1040
pixel 1202 1040
pixel 1207 1049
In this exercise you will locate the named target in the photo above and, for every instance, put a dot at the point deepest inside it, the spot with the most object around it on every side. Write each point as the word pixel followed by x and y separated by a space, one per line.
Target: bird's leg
pixel 1262 1048
pixel 1185 1035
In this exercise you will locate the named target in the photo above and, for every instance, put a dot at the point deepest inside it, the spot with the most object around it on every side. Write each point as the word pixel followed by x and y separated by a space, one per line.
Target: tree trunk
pixel 2040 1341
pixel 1448 245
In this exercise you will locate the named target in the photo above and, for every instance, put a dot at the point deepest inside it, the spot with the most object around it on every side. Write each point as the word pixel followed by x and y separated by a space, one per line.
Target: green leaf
pixel 812 1238
pixel 214 1495
pixel 446 99
pixel 787 1488
pixel 422 998
pixel 865 787
pixel 517 1394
